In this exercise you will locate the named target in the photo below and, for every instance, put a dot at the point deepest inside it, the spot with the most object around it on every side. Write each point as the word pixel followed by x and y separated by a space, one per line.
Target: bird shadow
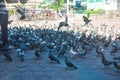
pixel 52 62
pixel 69 68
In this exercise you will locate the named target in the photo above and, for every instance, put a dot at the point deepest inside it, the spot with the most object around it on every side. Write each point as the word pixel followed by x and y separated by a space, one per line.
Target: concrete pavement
pixel 90 68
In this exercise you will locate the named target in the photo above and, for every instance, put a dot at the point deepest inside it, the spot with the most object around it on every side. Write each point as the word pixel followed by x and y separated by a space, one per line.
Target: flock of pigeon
pixel 63 43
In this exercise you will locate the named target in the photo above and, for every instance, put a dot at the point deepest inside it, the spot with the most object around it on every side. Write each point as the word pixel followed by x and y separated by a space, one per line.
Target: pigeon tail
pixel 22 58
pixel 8 56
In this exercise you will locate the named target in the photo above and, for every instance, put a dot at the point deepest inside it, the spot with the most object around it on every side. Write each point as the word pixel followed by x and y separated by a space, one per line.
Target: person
pixel 4 22
pixel 32 11
pixel 21 11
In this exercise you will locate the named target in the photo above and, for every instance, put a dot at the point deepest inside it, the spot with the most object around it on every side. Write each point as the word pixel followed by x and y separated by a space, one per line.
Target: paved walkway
pixel 90 68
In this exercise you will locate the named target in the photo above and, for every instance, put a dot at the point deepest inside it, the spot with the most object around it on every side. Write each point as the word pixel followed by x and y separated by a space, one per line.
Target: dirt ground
pixel 72 19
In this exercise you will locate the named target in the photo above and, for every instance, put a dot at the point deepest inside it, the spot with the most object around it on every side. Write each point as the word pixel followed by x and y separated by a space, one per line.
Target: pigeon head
pixel 51 45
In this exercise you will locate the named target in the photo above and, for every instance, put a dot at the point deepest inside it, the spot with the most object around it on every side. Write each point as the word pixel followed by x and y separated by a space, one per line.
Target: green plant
pixel 92 11
pixel 55 6
pixel 111 14
pixel 12 11
pixel 100 11
pixel 89 11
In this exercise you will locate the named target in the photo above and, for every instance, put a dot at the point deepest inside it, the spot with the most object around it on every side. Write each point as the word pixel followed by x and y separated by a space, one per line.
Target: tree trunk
pixel 58 1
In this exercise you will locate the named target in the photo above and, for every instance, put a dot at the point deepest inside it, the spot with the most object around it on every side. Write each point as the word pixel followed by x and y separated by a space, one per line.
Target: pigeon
pixel 22 55
pixel 10 21
pixel 62 51
pixel 53 58
pixel 105 62
pixel 107 41
pixel 69 64
pixel 57 48
pixel 42 47
pixel 50 45
pixel 21 11
pixel 86 20
pixel 37 53
pixel 83 53
pixel 72 53
pixel 64 23
pixel 114 48
pixel 116 65
pixel 8 56
pixel 22 44
pixel 117 58
pixel 99 51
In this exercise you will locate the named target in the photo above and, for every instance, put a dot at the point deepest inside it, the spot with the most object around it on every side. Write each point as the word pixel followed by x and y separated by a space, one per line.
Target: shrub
pixel 111 14
pixel 12 11
pixel 92 11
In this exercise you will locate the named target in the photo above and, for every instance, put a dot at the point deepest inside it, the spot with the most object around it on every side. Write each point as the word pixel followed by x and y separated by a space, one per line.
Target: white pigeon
pixel 72 53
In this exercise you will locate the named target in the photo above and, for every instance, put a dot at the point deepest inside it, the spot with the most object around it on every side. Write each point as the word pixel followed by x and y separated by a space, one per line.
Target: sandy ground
pixel 72 19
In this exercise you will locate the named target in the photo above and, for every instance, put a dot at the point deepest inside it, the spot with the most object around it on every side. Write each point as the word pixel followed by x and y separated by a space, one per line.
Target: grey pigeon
pixel 8 56
pixel 69 64
pixel 22 55
pixel 53 58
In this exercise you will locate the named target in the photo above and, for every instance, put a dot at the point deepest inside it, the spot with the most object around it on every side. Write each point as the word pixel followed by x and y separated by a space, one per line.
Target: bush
pixel 100 11
pixel 12 11
pixel 92 11
pixel 111 14
pixel 55 7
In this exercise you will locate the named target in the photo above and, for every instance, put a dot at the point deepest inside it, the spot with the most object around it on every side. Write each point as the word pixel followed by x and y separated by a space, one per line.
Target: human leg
pixel 4 28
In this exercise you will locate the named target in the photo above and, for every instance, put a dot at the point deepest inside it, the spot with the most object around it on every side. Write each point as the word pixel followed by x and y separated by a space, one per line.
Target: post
pixel 67 6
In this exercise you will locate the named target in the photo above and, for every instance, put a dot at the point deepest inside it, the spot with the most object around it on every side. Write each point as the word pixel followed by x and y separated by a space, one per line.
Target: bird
pixel 22 45
pixel 72 53
pixel 107 41
pixel 117 58
pixel 105 62
pixel 10 21
pixel 118 37
pixel 114 48
pixel 116 65
pixel 52 57
pixel 86 20
pixel 82 54
pixel 69 64
pixel 22 55
pixel 62 51
pixel 57 48
pixel 8 56
pixel 99 50
pixel 64 23
pixel 42 47
pixel 6 53
pixel 50 45
pixel 37 53
pixel 21 11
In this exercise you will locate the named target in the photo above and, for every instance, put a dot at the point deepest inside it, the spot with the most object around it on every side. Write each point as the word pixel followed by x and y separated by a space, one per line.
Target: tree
pixel 58 2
